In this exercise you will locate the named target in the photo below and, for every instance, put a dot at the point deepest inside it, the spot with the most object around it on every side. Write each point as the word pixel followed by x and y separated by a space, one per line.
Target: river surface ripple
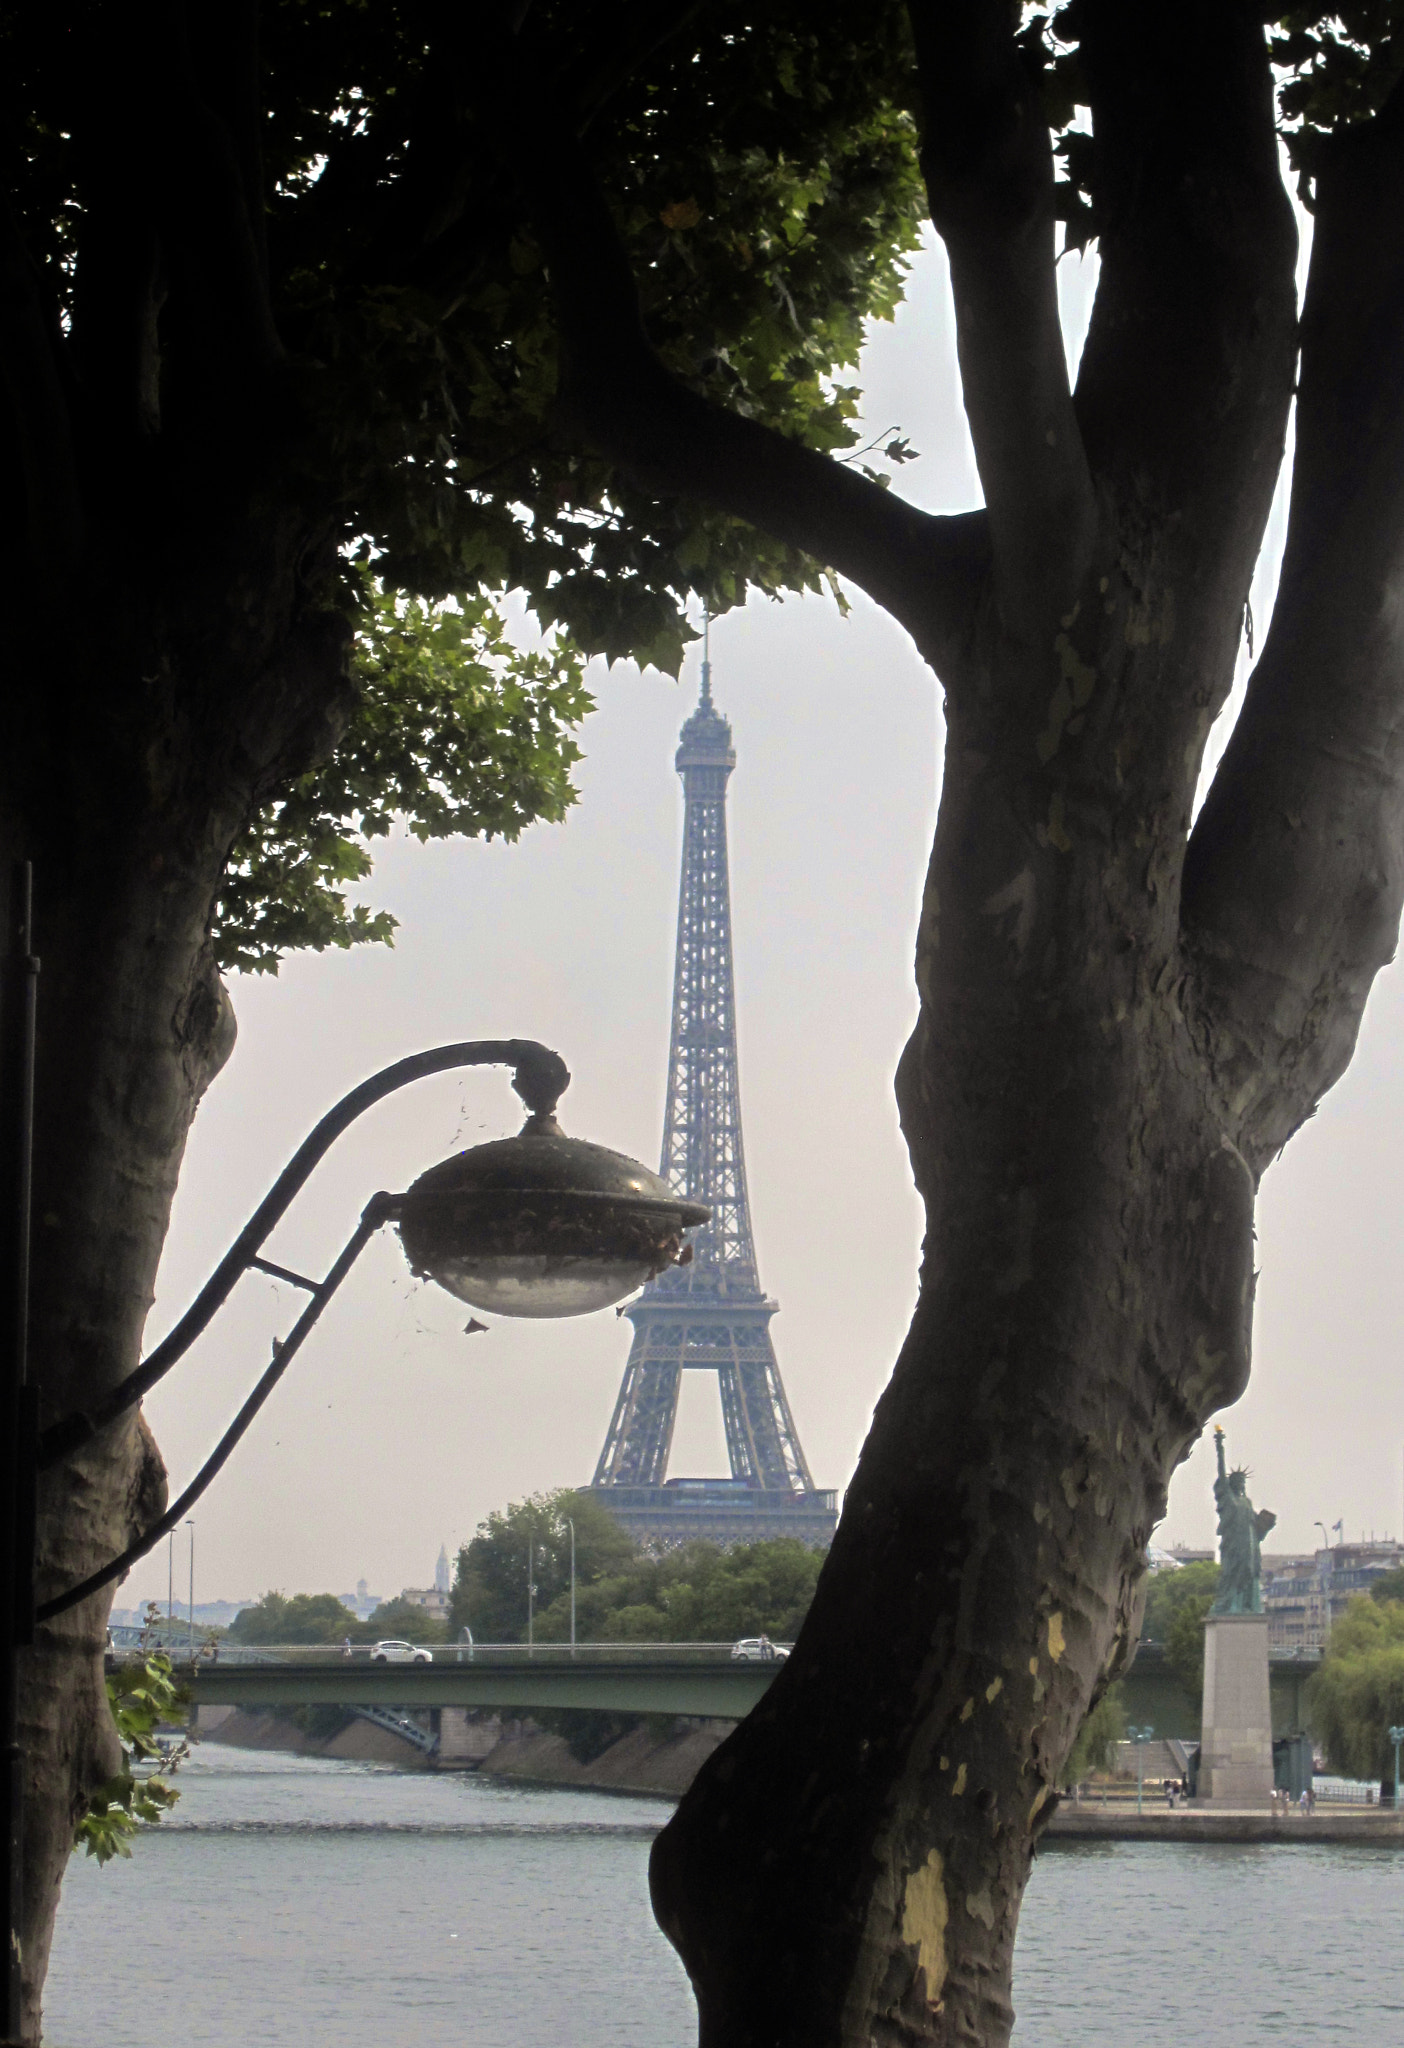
pixel 293 1900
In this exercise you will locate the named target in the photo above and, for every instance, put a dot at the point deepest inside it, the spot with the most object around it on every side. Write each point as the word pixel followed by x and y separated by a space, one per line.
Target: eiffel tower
pixel 711 1315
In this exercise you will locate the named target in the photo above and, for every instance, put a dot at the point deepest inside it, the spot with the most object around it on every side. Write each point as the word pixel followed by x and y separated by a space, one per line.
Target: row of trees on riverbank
pixel 698 1593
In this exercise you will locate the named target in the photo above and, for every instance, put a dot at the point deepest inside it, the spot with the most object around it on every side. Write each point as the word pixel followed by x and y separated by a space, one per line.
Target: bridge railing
pixel 225 1652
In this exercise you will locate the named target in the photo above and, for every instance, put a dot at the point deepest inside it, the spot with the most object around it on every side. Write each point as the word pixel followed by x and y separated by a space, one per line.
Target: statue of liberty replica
pixel 1241 1533
pixel 1235 1753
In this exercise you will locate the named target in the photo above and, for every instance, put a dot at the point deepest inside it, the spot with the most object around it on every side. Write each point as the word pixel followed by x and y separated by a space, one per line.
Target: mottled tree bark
pixel 129 847
pixel 1121 1021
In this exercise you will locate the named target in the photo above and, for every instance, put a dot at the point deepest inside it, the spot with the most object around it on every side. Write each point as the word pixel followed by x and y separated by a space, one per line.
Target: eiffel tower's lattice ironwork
pixel 711 1315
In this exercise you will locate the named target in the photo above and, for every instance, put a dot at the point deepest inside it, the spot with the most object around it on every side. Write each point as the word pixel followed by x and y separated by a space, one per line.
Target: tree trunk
pixel 1085 1306
pixel 219 698
pixel 134 1024
pixel 848 1867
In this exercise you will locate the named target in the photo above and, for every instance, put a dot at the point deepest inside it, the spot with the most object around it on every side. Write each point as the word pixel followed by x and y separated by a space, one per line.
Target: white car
pixel 400 1653
pixel 758 1650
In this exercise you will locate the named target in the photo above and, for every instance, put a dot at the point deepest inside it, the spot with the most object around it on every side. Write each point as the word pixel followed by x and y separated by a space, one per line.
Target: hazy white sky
pixel 394 1432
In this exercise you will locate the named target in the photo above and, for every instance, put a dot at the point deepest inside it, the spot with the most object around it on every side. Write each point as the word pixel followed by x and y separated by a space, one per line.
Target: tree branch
pixel 203 163
pixel 618 394
pixel 1294 878
pixel 39 409
pixel 171 227
pixel 988 163
pixel 1185 379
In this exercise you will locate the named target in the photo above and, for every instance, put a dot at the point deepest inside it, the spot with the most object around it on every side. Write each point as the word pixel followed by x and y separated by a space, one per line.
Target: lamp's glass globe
pixel 536 1284
pixel 542 1225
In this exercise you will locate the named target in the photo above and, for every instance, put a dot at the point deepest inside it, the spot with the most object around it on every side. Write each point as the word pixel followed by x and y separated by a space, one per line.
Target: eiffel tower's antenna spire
pixel 706 655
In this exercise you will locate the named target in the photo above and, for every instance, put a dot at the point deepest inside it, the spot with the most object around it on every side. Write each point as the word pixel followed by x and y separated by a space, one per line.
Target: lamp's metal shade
pixel 542 1224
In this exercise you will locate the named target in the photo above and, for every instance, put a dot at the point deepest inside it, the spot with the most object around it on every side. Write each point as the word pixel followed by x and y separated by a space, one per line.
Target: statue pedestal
pixel 1235 1756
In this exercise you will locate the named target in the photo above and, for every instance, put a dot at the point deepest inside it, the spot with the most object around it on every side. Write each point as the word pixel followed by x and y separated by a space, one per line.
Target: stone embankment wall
pixel 360 1742
pixel 653 1758
pixel 663 1764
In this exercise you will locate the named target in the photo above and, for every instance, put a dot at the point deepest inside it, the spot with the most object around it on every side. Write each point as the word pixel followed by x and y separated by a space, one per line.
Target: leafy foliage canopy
pixel 1177 1606
pixel 300 268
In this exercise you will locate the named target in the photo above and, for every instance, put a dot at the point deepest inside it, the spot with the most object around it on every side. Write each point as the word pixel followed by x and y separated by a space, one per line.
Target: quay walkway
pixel 1095 1823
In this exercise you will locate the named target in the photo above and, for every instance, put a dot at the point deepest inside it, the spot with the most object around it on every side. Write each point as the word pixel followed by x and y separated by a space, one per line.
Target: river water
pixel 294 1901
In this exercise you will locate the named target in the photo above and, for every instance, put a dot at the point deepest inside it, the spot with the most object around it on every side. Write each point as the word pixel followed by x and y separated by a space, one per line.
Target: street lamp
pixel 1325 1577
pixel 1396 1736
pixel 1140 1737
pixel 536 1225
pixel 190 1525
pixel 571 1526
pixel 531 1597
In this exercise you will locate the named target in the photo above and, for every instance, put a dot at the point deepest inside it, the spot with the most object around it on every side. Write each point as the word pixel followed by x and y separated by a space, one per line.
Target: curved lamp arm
pixel 541 1078
pixel 378 1210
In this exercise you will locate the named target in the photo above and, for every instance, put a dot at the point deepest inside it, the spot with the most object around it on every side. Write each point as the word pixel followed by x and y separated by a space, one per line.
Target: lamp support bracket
pixel 540 1078
pixel 379 1209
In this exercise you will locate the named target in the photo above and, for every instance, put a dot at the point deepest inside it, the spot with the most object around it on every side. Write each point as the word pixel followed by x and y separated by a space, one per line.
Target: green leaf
pixel 142 1695
pixel 456 731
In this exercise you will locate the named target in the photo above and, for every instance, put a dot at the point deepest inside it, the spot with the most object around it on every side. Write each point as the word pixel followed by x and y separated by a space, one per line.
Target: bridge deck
pixel 723 1689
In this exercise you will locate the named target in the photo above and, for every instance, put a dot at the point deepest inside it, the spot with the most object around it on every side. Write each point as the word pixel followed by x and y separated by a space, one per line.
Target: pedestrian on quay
pixel 346 1647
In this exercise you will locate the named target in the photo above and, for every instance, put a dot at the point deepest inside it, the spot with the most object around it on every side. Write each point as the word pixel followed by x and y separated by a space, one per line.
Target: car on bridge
pixel 391 1652
pixel 758 1650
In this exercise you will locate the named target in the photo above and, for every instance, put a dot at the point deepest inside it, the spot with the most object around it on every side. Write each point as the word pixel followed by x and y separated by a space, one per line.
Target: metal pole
pixel 170 1588
pixel 572 1585
pixel 531 1595
pixel 18 993
pixel 1140 1737
pixel 190 1525
pixel 1325 1586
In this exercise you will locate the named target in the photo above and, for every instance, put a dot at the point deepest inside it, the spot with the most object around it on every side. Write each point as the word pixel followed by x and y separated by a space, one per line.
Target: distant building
pixel 433 1599
pixel 1304 1595
pixel 443 1576
pixel 361 1603
pixel 208 1613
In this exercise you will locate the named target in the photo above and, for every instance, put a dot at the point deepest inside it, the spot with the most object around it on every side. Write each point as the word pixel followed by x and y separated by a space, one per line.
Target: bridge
pixel 1156 1699
pixel 657 1678
pixel 632 1678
